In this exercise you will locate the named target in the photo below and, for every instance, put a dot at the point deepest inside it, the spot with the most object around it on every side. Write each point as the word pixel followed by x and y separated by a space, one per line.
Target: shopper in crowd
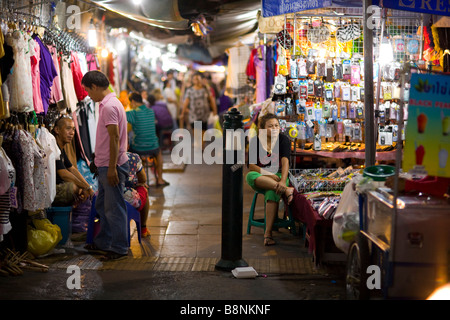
pixel 172 101
pixel 164 120
pixel 225 102
pixel 210 85
pixel 123 98
pixel 71 187
pixel 145 141
pixel 111 161
pixel 199 102
pixel 268 162
pixel 136 190
pixel 144 95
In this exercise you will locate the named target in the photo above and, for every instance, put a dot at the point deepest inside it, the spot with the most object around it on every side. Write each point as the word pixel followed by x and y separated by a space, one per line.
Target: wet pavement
pixel 177 262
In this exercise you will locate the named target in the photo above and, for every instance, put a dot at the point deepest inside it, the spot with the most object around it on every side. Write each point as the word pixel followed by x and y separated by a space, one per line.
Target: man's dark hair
pixel 95 77
pixel 151 99
pixel 136 97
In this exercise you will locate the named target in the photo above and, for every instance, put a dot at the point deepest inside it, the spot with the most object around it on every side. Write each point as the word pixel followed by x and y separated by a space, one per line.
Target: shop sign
pixel 279 7
pixel 437 7
pixel 271 24
pixel 427 143
pixel 319 34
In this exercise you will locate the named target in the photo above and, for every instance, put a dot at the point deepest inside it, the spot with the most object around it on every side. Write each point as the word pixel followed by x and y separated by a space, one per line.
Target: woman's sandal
pixel 165 183
pixel 268 241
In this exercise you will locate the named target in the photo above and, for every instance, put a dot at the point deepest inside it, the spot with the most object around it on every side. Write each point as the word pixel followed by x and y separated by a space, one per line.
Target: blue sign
pixel 279 7
pixel 437 7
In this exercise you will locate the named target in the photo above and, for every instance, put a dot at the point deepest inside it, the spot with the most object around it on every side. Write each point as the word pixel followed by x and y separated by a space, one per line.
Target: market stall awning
pixel 164 14
pixel 171 21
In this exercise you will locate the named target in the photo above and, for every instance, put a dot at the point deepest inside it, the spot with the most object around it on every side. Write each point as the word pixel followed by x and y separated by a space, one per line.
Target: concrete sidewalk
pixel 185 244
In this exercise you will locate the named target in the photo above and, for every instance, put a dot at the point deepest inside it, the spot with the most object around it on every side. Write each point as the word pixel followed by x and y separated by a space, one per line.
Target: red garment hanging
pixel 77 76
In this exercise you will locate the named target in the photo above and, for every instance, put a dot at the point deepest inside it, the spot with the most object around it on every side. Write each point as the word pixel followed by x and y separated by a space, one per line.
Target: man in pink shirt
pixel 111 160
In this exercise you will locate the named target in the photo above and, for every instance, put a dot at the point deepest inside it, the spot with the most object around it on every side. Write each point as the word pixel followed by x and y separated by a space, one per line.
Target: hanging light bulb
pixel 104 53
pixel 92 35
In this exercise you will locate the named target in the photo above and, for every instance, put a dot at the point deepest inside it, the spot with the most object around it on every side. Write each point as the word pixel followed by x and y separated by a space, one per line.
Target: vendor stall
pixel 320 92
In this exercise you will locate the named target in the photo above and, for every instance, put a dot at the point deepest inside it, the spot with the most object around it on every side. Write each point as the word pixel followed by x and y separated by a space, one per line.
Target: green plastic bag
pixel 44 237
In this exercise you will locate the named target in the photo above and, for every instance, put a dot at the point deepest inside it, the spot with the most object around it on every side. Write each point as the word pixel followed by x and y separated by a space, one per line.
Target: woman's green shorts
pixel 269 195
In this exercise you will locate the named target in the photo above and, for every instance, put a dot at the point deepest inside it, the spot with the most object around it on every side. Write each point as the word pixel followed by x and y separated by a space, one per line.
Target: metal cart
pixel 403 236
pixel 410 246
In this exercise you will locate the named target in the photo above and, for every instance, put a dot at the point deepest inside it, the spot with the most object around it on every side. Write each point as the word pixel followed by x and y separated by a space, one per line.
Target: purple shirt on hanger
pixel 48 73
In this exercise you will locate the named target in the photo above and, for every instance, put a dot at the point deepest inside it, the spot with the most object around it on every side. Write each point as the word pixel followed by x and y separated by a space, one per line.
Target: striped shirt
pixel 142 120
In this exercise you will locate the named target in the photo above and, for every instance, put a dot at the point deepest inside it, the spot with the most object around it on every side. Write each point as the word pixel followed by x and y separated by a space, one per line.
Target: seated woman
pixel 268 162
pixel 136 190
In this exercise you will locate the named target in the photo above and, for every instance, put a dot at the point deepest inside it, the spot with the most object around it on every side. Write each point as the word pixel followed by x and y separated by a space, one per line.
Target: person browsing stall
pixel 111 160
pixel 71 187
pixel 145 140
pixel 268 162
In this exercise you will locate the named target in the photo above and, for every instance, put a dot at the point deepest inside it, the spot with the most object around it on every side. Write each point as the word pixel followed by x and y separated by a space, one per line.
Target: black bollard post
pixel 232 194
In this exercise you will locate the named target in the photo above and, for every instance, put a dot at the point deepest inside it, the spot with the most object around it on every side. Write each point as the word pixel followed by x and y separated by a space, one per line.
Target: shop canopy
pixel 170 21
pixel 279 7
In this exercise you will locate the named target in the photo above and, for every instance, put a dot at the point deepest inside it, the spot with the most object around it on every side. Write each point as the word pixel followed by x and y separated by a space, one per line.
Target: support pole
pixel 232 194
pixel 369 118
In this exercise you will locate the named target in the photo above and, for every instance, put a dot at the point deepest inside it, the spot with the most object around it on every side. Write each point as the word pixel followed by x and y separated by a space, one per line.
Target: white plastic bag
pixel 346 219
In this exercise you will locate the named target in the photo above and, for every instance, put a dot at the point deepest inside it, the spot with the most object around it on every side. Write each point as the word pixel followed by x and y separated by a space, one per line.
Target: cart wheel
pixel 357 263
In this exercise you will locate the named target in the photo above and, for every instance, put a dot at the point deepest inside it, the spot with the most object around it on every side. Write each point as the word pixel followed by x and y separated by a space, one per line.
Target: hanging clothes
pixel 77 76
pixel 270 70
pixel 33 165
pixel 36 78
pixel 6 64
pixel 52 152
pixel 91 113
pixel 8 179
pixel 92 62
pixel 2 54
pixel 19 82
pixel 83 128
pixel 56 94
pixel 237 65
pixel 14 151
pixel 48 73
pixel 70 96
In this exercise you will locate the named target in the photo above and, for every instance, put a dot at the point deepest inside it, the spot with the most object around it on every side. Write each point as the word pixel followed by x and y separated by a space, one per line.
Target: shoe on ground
pixel 113 256
pixel 145 233
pixel 93 249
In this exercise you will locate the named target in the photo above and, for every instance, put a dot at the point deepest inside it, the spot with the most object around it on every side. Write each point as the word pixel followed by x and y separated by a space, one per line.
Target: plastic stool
pixel 287 222
pixel 132 213
pixel 164 135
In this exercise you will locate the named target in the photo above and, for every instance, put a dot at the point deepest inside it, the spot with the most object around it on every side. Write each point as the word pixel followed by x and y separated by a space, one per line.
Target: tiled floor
pixel 185 223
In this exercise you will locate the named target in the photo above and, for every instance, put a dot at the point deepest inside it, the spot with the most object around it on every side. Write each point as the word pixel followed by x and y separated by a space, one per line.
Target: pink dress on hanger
pixel 36 77
pixel 56 94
